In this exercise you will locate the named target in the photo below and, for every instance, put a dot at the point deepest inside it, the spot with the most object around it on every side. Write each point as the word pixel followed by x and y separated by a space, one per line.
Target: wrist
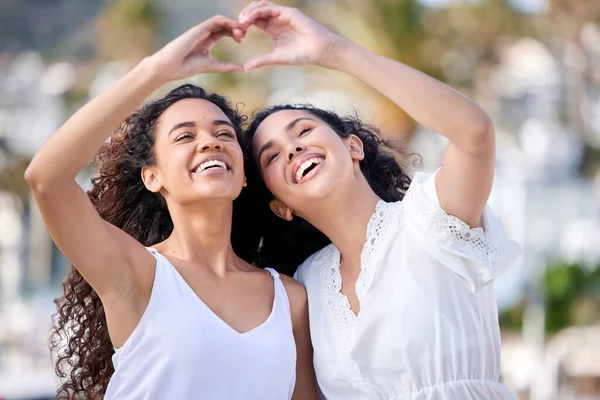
pixel 337 53
pixel 152 72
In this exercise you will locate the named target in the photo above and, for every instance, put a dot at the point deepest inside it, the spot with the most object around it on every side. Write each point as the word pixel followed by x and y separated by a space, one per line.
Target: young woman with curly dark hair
pixel 401 303
pixel 158 305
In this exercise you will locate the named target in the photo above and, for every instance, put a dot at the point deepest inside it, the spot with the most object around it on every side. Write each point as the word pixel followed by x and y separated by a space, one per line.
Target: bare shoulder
pixel 298 301
pixel 296 292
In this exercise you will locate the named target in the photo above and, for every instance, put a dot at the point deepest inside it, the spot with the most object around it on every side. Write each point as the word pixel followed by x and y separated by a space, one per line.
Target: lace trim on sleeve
pixel 490 246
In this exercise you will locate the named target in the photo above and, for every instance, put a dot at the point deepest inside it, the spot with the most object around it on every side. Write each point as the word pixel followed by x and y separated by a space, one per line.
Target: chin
pixel 218 193
pixel 225 195
pixel 319 190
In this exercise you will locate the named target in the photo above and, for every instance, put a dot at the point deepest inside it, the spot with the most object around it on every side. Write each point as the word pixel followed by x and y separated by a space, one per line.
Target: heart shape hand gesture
pixel 298 40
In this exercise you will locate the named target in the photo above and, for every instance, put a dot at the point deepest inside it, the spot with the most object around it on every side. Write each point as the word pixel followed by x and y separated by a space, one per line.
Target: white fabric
pixel 428 322
pixel 182 350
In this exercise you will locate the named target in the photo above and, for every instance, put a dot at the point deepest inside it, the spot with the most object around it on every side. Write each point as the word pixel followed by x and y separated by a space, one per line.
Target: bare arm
pixel 102 253
pixel 306 385
pixel 465 179
pixel 98 249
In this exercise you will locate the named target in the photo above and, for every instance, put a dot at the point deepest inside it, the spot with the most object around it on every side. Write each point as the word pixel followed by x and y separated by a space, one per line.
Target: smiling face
pixel 302 159
pixel 198 156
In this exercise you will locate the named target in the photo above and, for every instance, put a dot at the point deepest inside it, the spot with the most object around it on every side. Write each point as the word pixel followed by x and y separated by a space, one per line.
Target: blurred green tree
pixel 572 298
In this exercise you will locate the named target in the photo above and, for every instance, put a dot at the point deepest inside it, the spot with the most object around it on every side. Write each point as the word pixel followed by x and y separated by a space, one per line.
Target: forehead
pixel 275 124
pixel 193 110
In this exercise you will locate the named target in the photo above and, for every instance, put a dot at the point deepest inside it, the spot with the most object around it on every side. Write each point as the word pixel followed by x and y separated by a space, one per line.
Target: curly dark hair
pixel 285 245
pixel 79 335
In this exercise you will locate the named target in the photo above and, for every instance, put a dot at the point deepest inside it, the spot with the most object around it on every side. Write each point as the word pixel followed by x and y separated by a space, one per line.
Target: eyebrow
pixel 192 124
pixel 292 124
pixel 218 122
pixel 288 128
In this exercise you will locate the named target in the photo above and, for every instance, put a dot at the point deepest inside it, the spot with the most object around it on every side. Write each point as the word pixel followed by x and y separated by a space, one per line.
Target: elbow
pixel 31 176
pixel 480 136
pixel 43 177
pixel 34 178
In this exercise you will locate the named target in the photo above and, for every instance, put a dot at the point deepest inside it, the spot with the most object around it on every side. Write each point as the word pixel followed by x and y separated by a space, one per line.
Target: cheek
pixel 275 181
pixel 235 152
pixel 175 167
pixel 270 178
pixel 336 146
pixel 325 137
pixel 175 156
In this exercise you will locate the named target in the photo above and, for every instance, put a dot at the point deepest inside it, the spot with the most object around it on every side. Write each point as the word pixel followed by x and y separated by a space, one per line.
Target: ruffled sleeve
pixel 477 255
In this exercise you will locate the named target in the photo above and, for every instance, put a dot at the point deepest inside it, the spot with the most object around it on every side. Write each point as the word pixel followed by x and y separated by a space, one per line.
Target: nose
pixel 209 144
pixel 294 150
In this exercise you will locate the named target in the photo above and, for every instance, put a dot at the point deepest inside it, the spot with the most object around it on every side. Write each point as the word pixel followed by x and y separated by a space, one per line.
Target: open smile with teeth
pixel 306 167
pixel 212 164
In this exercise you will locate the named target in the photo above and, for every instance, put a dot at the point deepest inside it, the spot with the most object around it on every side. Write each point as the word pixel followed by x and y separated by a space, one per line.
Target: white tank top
pixel 182 350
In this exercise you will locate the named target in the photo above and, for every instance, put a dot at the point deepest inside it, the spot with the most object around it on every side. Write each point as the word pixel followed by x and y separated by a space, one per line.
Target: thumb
pixel 223 67
pixel 262 60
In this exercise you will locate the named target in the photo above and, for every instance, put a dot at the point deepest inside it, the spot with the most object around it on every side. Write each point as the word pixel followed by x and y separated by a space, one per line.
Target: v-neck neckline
pixel 213 313
pixel 365 276
pixel 344 323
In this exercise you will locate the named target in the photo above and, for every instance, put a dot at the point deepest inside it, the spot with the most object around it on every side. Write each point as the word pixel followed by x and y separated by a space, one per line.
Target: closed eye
pixel 184 136
pixel 227 134
pixel 271 158
pixel 304 131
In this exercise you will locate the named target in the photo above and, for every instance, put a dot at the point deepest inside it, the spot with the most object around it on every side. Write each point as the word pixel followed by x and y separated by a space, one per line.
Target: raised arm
pixel 102 253
pixel 465 179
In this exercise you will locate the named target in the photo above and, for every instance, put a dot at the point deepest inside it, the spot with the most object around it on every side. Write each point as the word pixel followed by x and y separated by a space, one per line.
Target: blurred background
pixel 534 65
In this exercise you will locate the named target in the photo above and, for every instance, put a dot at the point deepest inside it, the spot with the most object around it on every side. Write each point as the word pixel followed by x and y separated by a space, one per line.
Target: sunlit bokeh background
pixel 534 65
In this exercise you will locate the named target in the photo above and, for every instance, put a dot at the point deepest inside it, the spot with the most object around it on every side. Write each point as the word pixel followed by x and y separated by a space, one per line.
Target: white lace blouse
pixel 428 322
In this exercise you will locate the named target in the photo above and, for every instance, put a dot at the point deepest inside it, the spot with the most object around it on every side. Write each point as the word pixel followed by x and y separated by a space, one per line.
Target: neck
pixel 342 220
pixel 202 234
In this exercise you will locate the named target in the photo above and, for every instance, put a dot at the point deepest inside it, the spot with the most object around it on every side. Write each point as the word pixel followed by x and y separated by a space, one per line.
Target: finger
pixel 261 23
pixel 263 60
pixel 246 9
pixel 197 65
pixel 201 32
pixel 238 34
pixel 225 67
pixel 218 23
pixel 208 43
pixel 249 8
pixel 234 34
pixel 214 37
pixel 264 12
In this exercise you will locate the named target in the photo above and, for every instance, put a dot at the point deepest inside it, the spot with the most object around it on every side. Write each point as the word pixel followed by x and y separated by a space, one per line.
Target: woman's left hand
pixel 189 54
pixel 298 39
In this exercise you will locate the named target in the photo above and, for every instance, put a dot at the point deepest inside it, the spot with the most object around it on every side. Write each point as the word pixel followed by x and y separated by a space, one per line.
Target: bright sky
pixel 528 6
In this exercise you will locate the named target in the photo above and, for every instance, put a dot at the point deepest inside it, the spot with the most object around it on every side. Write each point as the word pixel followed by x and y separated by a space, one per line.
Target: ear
pixel 355 146
pixel 150 179
pixel 245 182
pixel 281 210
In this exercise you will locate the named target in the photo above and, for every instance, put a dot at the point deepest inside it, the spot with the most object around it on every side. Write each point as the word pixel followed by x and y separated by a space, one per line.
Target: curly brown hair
pixel 79 335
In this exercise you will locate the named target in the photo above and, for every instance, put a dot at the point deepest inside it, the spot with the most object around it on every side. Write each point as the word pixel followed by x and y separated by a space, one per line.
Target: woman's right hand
pixel 189 54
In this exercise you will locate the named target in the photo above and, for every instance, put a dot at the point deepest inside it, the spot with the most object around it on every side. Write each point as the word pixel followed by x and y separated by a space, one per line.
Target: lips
pixel 304 165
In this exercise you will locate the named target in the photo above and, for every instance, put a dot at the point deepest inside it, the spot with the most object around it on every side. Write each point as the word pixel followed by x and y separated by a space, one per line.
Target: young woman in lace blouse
pixel 401 303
